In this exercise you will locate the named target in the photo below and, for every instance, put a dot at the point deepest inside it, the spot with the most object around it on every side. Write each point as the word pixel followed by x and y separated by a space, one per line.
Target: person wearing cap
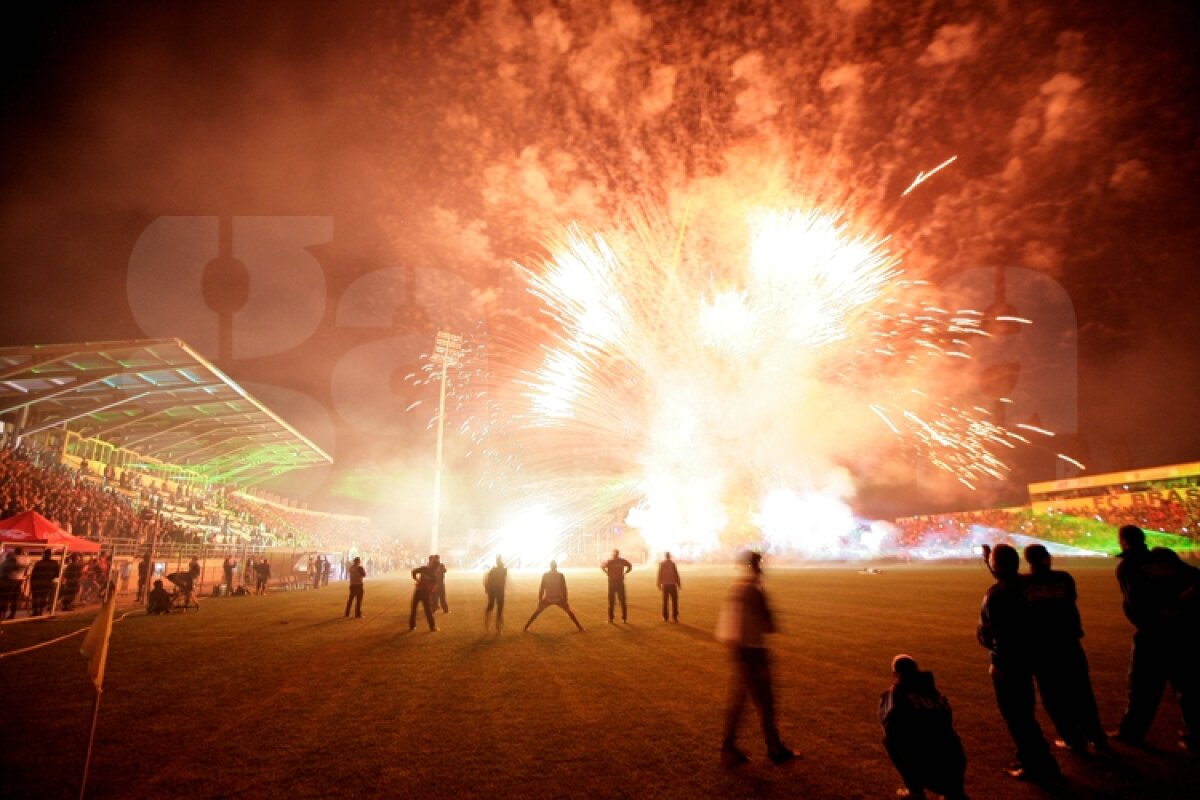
pixel 1059 663
pixel 918 733
pixel 1161 597
pixel 743 625
pixel 357 574
pixel 1004 629
pixel 553 592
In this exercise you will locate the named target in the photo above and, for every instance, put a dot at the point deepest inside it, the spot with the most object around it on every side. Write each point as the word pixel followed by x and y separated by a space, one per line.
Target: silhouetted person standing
pixel 1005 629
pixel 439 592
pixel 12 575
pixel 669 584
pixel 616 568
pixel 72 574
pixel 143 570
pixel 262 572
pixel 357 574
pixel 1059 663
pixel 743 625
pixel 227 573
pixel 41 582
pixel 918 732
pixel 1161 598
pixel 494 583
pixel 553 592
pixel 427 579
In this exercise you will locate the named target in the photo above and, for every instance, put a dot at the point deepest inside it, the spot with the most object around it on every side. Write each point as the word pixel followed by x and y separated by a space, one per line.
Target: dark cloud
pixel 457 137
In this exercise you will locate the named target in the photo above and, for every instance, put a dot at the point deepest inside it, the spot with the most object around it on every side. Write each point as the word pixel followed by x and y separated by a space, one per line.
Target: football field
pixel 280 696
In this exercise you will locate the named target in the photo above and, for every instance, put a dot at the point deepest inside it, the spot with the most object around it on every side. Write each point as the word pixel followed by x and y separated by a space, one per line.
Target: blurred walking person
pixel 424 592
pixel 669 584
pixel 41 582
pixel 1161 597
pixel 357 574
pixel 1005 629
pixel 616 568
pixel 1059 663
pixel 494 583
pixel 553 592
pixel 918 733
pixel 743 625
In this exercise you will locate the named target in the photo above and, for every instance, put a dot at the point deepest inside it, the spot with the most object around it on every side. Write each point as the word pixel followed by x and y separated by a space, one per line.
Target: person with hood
pixel 918 733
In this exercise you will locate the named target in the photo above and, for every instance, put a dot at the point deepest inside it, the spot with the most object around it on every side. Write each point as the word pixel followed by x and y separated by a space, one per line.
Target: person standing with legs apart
pixel 1059 663
pixel 1161 597
pixel 357 574
pixel 494 584
pixel 427 578
pixel 553 592
pixel 669 584
pixel 1005 629
pixel 616 568
pixel 743 625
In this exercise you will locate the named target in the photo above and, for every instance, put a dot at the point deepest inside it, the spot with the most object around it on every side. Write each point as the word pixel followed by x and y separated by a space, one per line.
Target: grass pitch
pixel 281 697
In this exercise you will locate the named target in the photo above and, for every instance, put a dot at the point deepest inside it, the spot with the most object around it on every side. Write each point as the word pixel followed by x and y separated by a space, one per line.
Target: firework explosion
pixel 723 387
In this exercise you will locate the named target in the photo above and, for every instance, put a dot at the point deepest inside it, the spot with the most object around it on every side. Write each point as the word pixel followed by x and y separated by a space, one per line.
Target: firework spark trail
pixel 712 390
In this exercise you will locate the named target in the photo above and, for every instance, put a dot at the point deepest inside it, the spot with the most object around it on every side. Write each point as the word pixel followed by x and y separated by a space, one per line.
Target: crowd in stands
pixel 104 504
pixel 1089 526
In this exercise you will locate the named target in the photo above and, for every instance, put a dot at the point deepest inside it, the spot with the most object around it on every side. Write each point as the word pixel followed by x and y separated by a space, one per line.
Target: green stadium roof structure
pixel 158 398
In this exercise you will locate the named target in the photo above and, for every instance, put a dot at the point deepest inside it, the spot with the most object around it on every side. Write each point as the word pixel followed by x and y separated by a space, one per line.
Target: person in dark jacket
pixel 1161 597
pixel 159 600
pixel 743 625
pixel 494 583
pixel 669 584
pixel 357 575
pixel 426 581
pixel 918 733
pixel 1005 630
pixel 12 577
pixel 439 591
pixel 41 582
pixel 616 568
pixel 1059 663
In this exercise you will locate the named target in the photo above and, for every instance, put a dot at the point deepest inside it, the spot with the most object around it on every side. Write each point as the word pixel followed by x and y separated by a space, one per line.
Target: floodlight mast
pixel 446 351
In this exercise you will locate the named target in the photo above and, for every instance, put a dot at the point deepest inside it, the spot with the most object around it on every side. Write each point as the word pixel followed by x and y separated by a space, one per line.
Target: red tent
pixel 30 527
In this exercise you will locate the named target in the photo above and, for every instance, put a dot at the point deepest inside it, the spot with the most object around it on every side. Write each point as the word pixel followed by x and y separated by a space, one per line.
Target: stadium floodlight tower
pixel 446 352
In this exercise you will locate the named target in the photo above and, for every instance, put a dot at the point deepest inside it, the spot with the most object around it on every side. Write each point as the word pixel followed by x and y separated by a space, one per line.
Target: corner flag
pixel 95 644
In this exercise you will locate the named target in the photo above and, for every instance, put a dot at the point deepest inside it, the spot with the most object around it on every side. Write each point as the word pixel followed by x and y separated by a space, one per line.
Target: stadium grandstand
pixel 1079 515
pixel 144 447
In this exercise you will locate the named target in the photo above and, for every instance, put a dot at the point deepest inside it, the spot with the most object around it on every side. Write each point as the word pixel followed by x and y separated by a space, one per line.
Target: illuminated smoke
pixel 722 385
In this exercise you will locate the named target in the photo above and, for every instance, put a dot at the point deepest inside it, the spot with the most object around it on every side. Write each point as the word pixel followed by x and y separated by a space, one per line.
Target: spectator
pixel 918 733
pixel 743 625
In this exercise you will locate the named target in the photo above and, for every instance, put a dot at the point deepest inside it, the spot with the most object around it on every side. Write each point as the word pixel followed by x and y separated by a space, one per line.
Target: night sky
pixel 434 144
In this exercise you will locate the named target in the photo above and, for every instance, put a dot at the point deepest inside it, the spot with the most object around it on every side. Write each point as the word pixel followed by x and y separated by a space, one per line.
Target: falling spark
pixel 924 176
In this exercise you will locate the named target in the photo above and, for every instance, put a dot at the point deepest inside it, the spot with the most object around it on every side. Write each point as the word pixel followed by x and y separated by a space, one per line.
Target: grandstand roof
pixel 156 397
pixel 1116 478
